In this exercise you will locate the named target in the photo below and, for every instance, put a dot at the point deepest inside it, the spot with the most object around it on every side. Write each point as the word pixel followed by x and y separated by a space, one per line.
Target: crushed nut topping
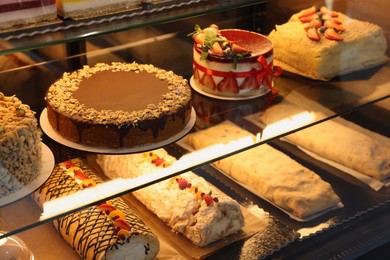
pixel 60 95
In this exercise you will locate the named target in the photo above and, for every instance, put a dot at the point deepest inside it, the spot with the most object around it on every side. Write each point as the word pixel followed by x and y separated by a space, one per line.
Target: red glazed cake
pixel 232 62
pixel 119 105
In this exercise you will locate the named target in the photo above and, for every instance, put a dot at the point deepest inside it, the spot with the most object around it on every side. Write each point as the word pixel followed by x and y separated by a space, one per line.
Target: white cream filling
pixel 27 13
pixel 66 7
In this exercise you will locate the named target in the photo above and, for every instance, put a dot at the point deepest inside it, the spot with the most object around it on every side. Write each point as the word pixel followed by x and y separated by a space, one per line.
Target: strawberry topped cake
pixel 320 43
pixel 232 62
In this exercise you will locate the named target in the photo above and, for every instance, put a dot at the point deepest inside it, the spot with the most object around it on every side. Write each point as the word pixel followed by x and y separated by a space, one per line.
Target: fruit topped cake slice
pixel 319 43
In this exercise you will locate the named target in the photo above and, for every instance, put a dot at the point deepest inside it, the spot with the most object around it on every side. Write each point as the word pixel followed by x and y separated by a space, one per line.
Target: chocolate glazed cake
pixel 119 105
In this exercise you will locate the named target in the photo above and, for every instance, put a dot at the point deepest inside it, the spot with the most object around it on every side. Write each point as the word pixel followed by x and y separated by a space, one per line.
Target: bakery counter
pixel 325 100
pixel 306 163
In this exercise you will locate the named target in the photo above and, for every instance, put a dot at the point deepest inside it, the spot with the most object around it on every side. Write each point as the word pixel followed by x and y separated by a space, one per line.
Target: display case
pixel 158 34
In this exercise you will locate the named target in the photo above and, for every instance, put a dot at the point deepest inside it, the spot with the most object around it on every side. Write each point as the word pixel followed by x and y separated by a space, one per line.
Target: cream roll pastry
pixel 187 203
pixel 232 62
pixel 110 230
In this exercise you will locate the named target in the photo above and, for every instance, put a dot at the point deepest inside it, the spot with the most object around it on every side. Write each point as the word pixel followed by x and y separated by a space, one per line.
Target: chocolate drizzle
pixel 94 230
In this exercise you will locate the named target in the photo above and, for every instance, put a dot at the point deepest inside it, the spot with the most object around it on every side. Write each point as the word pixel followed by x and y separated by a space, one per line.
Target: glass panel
pixel 167 46
pixel 68 30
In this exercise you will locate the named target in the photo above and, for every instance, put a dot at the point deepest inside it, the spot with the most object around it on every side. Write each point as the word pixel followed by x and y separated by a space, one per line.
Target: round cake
pixel 232 62
pixel 20 145
pixel 119 105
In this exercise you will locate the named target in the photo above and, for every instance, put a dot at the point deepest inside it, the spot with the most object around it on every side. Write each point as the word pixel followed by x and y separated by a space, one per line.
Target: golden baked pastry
pixel 270 173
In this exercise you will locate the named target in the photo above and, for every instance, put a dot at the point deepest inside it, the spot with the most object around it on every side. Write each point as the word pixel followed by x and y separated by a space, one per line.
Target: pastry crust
pixel 270 173
pixel 338 143
pixel 184 208
pixel 91 232
pixel 364 46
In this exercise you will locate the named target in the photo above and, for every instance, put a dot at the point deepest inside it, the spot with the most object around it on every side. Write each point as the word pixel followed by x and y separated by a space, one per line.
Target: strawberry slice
pixel 208 81
pixel 334 25
pixel 158 161
pixel 307 19
pixel 228 85
pixel 313 34
pixel 122 224
pixel 250 83
pixel 183 183
pixel 239 49
pixel 331 34
pixel 80 175
pixel 208 199
pixel 307 12
pixel 106 207
pixel 196 74
pixel 67 164
pixel 327 11
pixel 317 23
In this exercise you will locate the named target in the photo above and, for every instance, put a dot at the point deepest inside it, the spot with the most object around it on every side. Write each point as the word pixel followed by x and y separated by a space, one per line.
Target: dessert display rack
pixel 358 97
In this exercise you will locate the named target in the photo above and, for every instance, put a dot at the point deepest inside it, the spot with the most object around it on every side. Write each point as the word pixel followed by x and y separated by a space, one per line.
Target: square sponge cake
pixel 320 44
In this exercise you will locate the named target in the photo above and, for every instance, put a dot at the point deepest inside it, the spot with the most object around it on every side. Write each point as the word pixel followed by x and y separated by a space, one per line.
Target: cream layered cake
pixel 26 12
pixel 109 230
pixel 187 203
pixel 319 43
pixel 119 105
pixel 232 62
pixel 20 145
pixel 79 9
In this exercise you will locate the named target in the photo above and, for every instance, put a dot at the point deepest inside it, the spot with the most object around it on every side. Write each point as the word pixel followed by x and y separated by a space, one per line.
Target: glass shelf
pixel 65 31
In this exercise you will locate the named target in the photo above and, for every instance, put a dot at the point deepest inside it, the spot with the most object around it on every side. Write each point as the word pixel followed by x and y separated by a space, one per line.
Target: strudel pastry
pixel 110 230
pixel 270 173
pixel 187 203
pixel 321 44
pixel 337 142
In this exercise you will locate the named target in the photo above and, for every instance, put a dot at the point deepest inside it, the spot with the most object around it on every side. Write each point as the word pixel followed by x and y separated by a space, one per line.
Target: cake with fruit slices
pixel 232 62
pixel 18 13
pixel 187 203
pixel 320 44
pixel 119 105
pixel 20 145
pixel 109 230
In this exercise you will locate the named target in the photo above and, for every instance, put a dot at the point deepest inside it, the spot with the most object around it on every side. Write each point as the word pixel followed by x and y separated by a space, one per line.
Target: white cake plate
pixel 47 169
pixel 49 131
pixel 197 89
